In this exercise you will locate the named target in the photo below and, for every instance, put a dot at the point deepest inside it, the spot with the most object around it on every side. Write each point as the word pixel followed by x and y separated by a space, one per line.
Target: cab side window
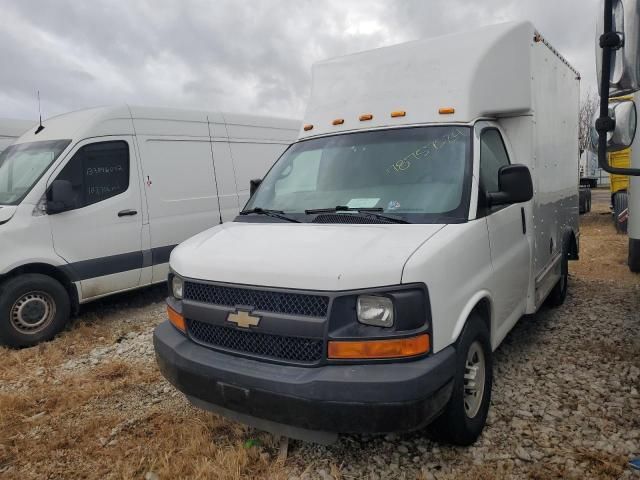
pixel 98 171
pixel 493 155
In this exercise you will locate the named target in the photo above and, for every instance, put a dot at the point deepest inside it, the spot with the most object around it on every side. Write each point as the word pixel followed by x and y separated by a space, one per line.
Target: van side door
pixel 508 241
pixel 100 237
pixel 180 189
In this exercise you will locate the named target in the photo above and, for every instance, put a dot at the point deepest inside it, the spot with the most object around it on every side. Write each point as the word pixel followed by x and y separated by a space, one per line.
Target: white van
pixel 11 129
pixel 93 203
pixel 430 202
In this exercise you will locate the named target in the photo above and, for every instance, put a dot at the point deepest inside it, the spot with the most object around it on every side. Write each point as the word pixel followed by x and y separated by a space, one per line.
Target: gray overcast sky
pixel 244 56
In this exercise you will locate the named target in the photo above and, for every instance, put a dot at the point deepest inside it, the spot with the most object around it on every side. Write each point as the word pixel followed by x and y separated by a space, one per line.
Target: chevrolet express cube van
pixel 429 203
pixel 93 203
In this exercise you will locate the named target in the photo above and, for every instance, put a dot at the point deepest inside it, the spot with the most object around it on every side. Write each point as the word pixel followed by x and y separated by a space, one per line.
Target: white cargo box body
pixel 505 72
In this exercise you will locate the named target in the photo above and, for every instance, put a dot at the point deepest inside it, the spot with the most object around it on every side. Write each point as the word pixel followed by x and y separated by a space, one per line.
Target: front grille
pixel 348 219
pixel 295 349
pixel 262 300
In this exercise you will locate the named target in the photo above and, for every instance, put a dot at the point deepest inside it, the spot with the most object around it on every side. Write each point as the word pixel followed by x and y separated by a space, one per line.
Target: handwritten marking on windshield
pixel 425 151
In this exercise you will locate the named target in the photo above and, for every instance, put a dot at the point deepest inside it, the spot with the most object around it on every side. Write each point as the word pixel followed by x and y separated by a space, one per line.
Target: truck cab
pixel 425 208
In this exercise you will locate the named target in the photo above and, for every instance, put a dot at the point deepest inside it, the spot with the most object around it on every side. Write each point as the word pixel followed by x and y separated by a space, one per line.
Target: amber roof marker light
pixel 365 117
pixel 446 110
pixel 398 113
pixel 338 121
pixel 308 127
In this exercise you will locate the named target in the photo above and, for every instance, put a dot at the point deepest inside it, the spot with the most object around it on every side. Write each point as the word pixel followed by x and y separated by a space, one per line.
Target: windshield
pixel 22 165
pixel 420 174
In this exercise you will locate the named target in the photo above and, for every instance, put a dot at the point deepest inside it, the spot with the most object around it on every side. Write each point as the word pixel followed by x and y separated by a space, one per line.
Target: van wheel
pixel 465 415
pixel 33 309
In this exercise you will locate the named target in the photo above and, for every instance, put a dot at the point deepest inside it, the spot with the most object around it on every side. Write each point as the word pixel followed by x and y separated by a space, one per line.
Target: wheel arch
pixel 52 271
pixel 482 304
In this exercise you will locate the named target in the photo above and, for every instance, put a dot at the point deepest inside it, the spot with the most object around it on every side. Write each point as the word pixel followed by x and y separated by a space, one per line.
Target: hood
pixel 6 212
pixel 301 256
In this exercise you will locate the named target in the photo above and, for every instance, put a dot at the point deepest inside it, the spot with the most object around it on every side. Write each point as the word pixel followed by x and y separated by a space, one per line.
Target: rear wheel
pixel 465 415
pixel 33 309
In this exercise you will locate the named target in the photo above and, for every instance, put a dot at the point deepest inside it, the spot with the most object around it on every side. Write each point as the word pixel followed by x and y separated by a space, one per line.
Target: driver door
pixel 101 236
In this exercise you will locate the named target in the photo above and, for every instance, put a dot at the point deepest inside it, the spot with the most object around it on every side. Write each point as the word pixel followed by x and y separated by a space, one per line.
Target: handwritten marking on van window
pixel 102 190
pixel 104 170
pixel 426 150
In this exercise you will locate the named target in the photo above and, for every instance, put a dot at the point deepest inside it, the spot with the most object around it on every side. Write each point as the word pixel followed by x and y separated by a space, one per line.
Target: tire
pixel 582 201
pixel 463 419
pixel 620 204
pixel 33 309
pixel 559 292
pixel 634 255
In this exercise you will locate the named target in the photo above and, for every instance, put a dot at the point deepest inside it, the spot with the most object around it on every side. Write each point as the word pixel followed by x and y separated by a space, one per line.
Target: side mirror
pixel 253 185
pixel 515 186
pixel 624 115
pixel 625 61
pixel 60 197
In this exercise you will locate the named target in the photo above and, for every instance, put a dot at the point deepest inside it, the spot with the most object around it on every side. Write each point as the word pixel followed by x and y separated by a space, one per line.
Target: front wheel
pixel 465 415
pixel 33 309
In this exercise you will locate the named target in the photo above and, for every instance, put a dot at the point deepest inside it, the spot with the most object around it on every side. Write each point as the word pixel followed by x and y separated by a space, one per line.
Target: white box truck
pixel 93 203
pixel 429 203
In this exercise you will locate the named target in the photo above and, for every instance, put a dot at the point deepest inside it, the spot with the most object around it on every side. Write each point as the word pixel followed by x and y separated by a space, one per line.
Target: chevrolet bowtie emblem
pixel 243 319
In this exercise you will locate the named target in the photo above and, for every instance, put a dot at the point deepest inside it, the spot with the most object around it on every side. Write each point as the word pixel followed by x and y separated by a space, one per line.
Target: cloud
pixel 230 55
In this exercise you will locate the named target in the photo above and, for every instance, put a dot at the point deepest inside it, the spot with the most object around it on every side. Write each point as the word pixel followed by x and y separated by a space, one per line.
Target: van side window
pixel 98 171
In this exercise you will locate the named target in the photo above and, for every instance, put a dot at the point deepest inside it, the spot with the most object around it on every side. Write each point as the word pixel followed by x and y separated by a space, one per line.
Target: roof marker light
pixel 398 113
pixel 338 121
pixel 365 117
pixel 308 127
pixel 446 110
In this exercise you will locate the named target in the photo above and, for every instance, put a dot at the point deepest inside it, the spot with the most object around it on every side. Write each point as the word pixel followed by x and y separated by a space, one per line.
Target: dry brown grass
pixel 71 426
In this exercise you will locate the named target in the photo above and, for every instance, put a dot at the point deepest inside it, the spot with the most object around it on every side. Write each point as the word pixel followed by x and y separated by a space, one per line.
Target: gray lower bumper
pixel 372 398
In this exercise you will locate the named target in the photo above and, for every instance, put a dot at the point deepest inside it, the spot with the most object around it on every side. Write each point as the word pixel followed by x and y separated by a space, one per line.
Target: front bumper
pixel 371 398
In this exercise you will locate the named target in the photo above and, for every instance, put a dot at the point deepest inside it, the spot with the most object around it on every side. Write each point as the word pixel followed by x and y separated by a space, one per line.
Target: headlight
pixel 375 310
pixel 176 287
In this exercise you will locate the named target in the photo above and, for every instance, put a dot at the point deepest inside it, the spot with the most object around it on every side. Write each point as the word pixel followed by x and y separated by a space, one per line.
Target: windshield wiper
pixel 371 212
pixel 269 213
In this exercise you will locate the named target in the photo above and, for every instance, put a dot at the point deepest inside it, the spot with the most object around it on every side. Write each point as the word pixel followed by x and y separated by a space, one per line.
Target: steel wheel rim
pixel 474 379
pixel 32 312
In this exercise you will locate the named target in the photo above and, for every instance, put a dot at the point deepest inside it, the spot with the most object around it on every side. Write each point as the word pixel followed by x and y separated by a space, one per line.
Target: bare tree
pixel 588 107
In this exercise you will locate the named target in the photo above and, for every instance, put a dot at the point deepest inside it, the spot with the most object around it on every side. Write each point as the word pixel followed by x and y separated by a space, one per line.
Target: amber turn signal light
pixel 446 110
pixel 308 127
pixel 365 117
pixel 371 349
pixel 176 319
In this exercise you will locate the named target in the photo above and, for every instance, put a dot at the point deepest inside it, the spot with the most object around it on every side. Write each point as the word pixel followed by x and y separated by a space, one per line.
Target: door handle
pixel 524 221
pixel 127 213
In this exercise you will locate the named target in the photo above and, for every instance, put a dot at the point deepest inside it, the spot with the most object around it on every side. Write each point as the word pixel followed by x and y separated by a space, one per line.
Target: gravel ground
pixel 565 401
